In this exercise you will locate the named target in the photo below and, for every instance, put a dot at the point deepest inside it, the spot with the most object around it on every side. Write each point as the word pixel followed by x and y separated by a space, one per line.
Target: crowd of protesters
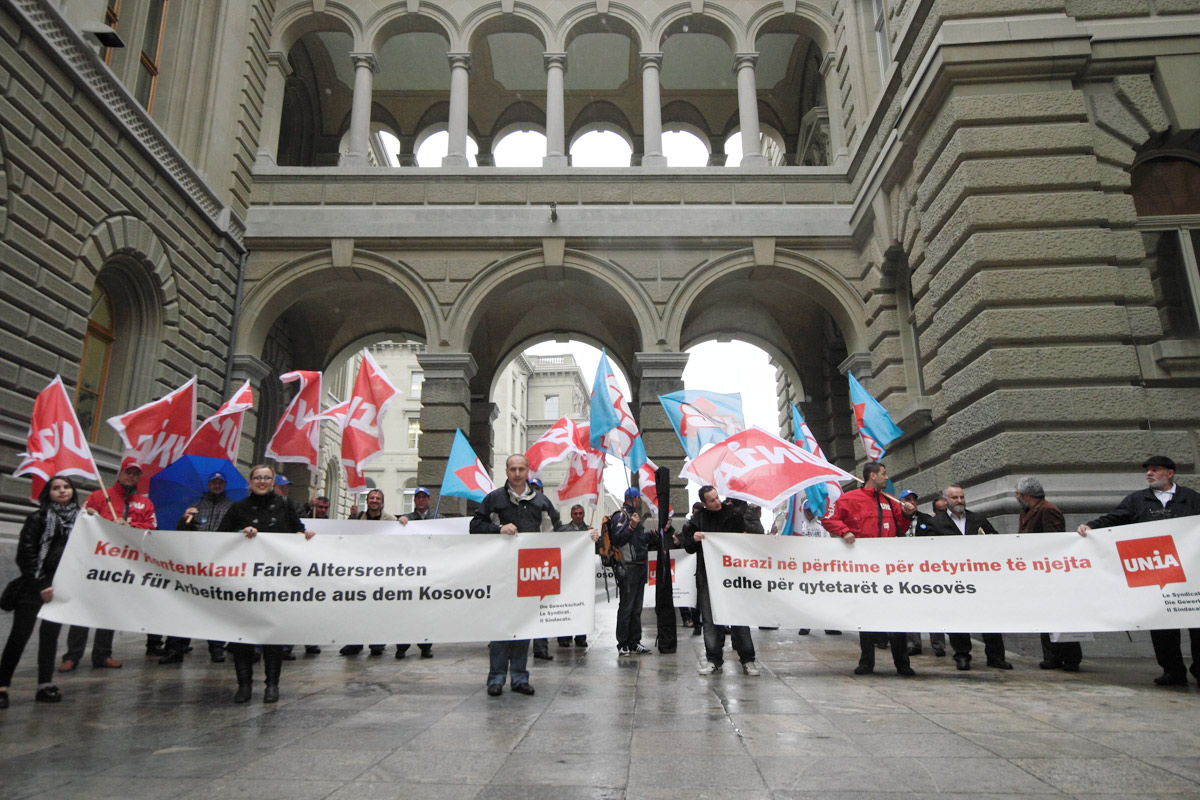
pixel 519 505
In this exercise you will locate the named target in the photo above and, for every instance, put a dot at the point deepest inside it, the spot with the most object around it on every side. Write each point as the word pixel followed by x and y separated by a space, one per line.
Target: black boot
pixel 243 665
pixel 272 664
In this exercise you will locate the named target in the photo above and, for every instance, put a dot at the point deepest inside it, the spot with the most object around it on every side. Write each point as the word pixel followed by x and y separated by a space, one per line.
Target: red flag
pixel 648 485
pixel 555 445
pixel 56 444
pixel 585 470
pixel 760 468
pixel 220 435
pixel 298 432
pixel 155 434
pixel 362 434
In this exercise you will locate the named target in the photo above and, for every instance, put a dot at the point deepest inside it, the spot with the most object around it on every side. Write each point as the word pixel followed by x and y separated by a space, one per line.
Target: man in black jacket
pixel 631 538
pixel 956 520
pixel 922 525
pixel 1161 499
pixel 516 507
pixel 716 517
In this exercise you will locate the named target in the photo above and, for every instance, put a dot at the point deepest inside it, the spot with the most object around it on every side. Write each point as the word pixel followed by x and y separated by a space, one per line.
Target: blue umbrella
pixel 183 481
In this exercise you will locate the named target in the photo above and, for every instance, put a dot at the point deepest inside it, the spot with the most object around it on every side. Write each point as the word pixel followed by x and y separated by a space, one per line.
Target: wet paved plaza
pixel 603 727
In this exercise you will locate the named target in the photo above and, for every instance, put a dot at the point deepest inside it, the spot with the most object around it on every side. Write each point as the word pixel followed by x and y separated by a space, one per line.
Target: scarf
pixel 58 518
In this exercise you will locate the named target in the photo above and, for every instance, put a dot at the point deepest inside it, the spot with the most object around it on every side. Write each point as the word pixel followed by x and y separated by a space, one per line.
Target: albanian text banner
pixel 279 588
pixel 1127 578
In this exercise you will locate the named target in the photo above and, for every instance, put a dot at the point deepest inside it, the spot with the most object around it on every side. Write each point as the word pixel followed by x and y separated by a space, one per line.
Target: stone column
pixel 752 155
pixel 652 154
pixel 837 131
pixel 660 373
pixel 482 434
pixel 278 69
pixel 556 147
pixel 246 367
pixel 407 155
pixel 445 408
pixel 456 152
pixel 365 67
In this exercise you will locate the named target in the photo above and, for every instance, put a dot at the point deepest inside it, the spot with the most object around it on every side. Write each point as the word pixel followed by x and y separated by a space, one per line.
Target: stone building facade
pixel 987 211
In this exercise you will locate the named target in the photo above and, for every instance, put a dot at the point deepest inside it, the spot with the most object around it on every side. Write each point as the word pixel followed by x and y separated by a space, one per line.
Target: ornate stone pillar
pixel 837 131
pixel 752 155
pixel 365 67
pixel 482 434
pixel 652 154
pixel 660 373
pixel 278 69
pixel 246 367
pixel 456 152
pixel 556 147
pixel 445 408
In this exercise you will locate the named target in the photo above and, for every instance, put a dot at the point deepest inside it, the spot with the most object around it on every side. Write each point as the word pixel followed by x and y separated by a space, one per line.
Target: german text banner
pixel 1128 578
pixel 279 588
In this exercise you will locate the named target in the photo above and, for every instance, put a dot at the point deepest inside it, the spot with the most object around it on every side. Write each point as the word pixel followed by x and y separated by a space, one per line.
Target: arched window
pixel 93 367
pixel 521 148
pixel 432 149
pixel 600 148
pixel 117 368
pixel 1167 198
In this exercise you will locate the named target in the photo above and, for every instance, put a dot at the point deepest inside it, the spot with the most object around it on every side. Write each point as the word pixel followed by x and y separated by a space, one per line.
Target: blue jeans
pixel 508 657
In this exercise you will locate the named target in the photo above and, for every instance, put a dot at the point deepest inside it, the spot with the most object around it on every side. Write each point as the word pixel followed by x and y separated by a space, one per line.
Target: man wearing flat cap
pixel 1161 499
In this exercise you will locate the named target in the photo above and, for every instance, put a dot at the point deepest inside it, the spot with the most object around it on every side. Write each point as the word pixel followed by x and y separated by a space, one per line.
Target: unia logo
pixel 1151 562
pixel 539 572
pixel 653 565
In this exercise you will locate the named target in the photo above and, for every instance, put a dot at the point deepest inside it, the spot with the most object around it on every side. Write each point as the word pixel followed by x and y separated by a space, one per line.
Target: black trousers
pixel 993 645
pixel 897 641
pixel 631 589
pixel 77 642
pixel 1166 650
pixel 1068 653
pixel 24 619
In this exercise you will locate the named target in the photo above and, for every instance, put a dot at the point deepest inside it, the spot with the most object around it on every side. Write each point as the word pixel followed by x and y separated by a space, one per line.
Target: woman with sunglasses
pixel 262 511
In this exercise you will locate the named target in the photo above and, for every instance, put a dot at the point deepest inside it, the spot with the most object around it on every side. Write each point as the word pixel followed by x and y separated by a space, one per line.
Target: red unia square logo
pixel 539 571
pixel 653 566
pixel 1151 562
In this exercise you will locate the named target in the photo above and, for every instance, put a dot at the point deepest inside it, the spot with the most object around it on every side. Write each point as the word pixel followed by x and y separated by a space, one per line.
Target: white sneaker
pixel 624 651
pixel 640 650
pixel 751 668
pixel 709 668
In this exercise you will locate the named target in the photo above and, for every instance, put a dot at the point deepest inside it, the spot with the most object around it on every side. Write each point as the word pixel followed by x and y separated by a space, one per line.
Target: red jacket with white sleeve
pixel 140 512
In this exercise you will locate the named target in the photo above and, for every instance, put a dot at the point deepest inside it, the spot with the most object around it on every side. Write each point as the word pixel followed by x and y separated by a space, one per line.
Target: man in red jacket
pixel 869 513
pixel 135 510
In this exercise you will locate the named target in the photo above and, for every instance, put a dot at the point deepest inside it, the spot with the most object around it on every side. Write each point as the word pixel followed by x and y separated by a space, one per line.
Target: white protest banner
pixel 683 581
pixel 1127 578
pixel 451 526
pixel 330 589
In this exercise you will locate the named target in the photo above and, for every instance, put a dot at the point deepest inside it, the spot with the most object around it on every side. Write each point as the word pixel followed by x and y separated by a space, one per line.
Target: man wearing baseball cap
pixel 1161 499
pixel 123 505
pixel 628 535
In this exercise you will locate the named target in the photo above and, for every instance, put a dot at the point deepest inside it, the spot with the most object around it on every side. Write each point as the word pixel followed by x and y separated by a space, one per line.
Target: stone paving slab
pixel 603 728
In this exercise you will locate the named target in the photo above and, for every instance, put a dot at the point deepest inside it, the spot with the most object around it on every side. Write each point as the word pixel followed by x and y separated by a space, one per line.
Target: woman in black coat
pixel 262 511
pixel 39 549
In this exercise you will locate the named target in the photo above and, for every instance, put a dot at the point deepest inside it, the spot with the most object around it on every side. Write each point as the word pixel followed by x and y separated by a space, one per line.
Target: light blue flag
pixel 613 429
pixel 818 494
pixel 700 417
pixel 875 425
pixel 465 475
